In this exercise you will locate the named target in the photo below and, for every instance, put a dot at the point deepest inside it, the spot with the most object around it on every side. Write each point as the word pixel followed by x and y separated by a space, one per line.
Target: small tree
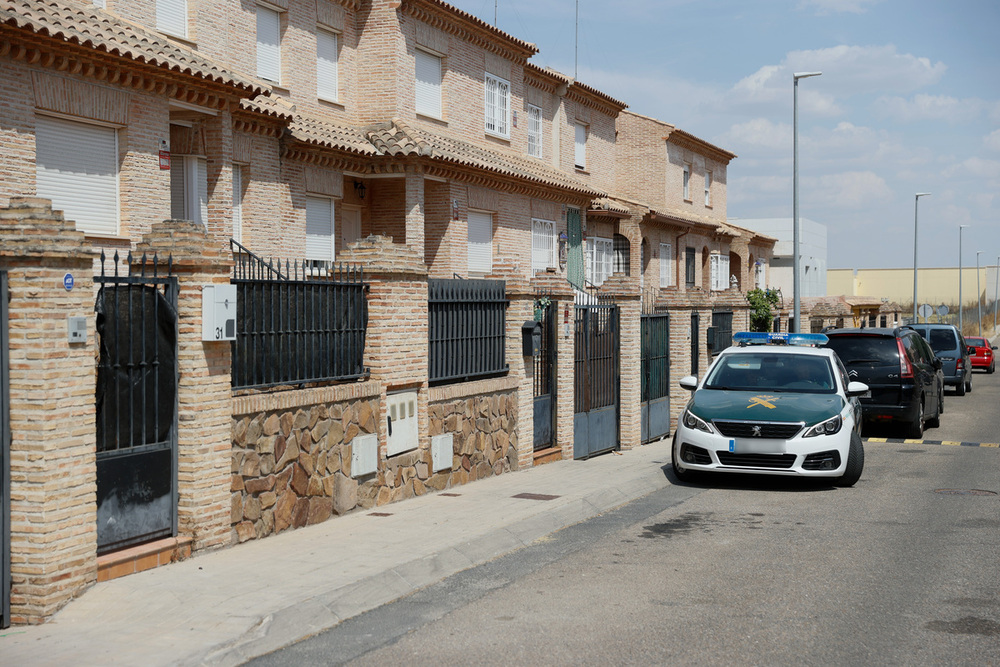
pixel 762 303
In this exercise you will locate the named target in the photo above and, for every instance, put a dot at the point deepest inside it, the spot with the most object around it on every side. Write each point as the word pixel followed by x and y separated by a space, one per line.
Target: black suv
pixel 904 377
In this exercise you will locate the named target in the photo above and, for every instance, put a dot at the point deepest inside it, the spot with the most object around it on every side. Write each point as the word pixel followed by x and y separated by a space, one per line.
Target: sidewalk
pixel 227 606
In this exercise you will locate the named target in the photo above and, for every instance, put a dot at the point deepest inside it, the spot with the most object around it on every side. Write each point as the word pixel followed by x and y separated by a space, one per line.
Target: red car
pixel 983 357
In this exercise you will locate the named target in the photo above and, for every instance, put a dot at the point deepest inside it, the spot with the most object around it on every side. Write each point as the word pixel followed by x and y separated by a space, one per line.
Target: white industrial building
pixel 812 253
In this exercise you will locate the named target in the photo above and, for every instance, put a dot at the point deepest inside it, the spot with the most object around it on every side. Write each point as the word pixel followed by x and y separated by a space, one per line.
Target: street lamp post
pixel 979 299
pixel 960 318
pixel 916 200
pixel 796 279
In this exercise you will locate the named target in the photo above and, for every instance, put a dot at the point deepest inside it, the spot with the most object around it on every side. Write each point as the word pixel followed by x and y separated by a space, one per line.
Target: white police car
pixel 772 404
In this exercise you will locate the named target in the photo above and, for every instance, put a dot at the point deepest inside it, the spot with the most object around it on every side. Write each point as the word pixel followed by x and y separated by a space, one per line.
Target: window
pixel 319 230
pixel 238 202
pixel 689 264
pixel 708 188
pixel 600 259
pixel 77 168
pixel 189 188
pixel 171 17
pixel 760 274
pixel 580 155
pixel 543 245
pixel 687 181
pixel 327 58
pixel 719 267
pixel 428 86
pixel 666 265
pixel 350 226
pixel 480 242
pixel 268 44
pixel 534 131
pixel 497 106
pixel 623 254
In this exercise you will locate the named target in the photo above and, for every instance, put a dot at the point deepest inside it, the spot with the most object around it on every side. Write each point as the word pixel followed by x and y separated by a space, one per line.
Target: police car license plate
pixel 756 446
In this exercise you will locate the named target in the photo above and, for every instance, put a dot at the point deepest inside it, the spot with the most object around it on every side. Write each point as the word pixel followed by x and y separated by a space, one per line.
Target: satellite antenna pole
pixel 495 3
pixel 576 43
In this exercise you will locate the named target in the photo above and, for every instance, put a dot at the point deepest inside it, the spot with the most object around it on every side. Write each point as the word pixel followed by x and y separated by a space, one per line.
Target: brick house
pixel 409 139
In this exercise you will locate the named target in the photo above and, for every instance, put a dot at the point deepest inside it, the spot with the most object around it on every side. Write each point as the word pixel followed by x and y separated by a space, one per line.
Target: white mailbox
pixel 218 312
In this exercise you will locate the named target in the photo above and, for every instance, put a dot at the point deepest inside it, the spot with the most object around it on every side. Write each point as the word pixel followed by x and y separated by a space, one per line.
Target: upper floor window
pixel 99 3
pixel 687 181
pixel 600 259
pixel 689 266
pixel 666 265
pixel 428 84
pixel 708 188
pixel 327 60
pixel 623 254
pixel 543 245
pixel 171 17
pixel 268 44
pixel 719 268
pixel 497 106
pixel 534 131
pixel 580 152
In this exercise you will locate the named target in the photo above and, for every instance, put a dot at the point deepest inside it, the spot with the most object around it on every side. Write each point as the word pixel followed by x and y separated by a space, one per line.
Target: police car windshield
pixel 763 371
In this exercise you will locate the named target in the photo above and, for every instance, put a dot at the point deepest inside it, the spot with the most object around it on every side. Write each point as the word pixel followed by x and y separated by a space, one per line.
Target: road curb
pixel 946 443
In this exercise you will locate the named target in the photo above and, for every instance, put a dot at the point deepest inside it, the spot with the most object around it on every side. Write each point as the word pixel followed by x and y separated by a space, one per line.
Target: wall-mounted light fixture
pixel 359 188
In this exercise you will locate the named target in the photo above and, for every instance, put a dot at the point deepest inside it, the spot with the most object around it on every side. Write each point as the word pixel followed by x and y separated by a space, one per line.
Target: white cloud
pixel 854 190
pixel 992 140
pixel 759 133
pixel 930 107
pixel 975 167
pixel 825 7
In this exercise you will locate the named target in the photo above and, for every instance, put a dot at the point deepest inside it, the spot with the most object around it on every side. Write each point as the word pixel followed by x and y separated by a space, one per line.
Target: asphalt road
pixel 900 569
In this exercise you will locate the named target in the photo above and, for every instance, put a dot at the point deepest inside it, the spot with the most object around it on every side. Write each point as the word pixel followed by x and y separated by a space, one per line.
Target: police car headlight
pixel 693 421
pixel 829 427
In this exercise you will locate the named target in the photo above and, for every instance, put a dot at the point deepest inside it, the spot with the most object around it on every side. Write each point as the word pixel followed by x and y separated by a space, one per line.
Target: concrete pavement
pixel 227 606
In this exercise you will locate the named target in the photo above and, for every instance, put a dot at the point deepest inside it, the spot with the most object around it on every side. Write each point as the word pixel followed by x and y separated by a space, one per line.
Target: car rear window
pixel 942 340
pixel 863 349
pixel 978 342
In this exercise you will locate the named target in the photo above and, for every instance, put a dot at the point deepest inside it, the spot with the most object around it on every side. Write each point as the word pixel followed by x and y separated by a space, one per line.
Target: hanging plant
pixel 540 305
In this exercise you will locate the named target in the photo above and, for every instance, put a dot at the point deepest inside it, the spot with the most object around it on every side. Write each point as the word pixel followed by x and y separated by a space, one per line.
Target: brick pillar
pixel 396 345
pixel 219 147
pixel 627 296
pixel 415 209
pixel 204 395
pixel 565 406
pixel 53 500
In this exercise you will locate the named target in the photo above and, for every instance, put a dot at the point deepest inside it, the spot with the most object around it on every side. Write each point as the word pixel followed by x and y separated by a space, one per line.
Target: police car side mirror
pixel 856 388
pixel 689 382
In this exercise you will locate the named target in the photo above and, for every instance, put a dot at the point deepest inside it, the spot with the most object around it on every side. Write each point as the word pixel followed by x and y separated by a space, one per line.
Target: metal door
pixel 136 406
pixel 655 372
pixel 545 376
pixel 4 457
pixel 595 422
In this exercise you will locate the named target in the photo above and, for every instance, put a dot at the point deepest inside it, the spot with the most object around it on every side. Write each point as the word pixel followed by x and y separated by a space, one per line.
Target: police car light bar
pixel 782 338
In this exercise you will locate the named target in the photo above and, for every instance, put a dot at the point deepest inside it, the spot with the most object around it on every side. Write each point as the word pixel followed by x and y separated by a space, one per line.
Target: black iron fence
pixel 297 323
pixel 467 329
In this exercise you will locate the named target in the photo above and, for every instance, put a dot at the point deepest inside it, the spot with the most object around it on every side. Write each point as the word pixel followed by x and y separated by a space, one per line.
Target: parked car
pixel 981 353
pixel 775 409
pixel 904 377
pixel 949 345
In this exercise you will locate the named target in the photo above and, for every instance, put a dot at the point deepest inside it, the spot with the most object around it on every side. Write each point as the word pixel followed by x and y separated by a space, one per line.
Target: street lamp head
pixel 923 194
pixel 803 75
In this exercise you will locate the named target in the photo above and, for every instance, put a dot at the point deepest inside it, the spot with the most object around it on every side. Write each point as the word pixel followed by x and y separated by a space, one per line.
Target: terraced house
pixel 265 263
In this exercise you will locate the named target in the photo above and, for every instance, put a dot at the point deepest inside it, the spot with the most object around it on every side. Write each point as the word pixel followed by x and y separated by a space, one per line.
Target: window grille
pixel 497 106
pixel 534 131
pixel 543 245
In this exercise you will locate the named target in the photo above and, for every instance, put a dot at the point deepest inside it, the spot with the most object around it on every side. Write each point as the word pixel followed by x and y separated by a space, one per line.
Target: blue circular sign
pixel 68 281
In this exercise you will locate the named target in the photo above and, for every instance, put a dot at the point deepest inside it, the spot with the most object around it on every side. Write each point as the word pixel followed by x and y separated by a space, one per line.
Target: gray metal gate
pixel 4 457
pixel 595 422
pixel 655 371
pixel 136 405
pixel 544 375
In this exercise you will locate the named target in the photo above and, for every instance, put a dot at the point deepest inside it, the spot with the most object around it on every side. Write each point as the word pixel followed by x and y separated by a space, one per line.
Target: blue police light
pixel 778 338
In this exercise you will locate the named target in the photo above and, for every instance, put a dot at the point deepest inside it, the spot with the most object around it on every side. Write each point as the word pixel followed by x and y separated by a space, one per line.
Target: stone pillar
pixel 565 406
pixel 627 296
pixel 53 469
pixel 396 348
pixel 204 394
pixel 415 210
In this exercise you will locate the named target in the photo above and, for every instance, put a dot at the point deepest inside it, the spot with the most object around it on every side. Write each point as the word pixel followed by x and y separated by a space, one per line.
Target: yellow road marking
pixel 951 443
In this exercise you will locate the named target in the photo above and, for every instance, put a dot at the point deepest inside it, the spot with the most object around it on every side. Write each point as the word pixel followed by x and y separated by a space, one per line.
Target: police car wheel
pixel 681 474
pixel 855 463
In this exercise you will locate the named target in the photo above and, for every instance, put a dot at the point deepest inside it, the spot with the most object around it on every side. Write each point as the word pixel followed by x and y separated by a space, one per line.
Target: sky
pixel 909 101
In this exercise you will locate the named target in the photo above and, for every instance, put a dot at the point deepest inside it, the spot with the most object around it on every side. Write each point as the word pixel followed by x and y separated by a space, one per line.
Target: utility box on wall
pixel 218 312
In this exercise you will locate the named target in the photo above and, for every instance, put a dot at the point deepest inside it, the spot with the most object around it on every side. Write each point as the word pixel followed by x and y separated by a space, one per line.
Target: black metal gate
pixel 545 376
pixel 4 457
pixel 136 405
pixel 655 371
pixel 695 344
pixel 595 422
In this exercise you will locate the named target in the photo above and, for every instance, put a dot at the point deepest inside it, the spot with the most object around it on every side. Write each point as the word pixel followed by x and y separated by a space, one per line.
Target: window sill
pixel 278 88
pixel 180 39
pixel 434 119
pixel 105 238
pixel 581 170
pixel 501 137
pixel 330 103
pixel 688 201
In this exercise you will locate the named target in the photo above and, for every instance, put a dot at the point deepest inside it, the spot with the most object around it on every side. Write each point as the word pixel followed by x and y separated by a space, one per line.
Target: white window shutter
pixel 171 17
pixel 327 57
pixel 723 271
pixel 77 168
pixel 428 85
pixel 666 265
pixel 708 188
pixel 199 203
pixel 580 156
pixel 319 229
pixel 178 205
pixel 480 242
pixel 714 274
pixel 268 44
pixel 238 202
pixel 687 181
